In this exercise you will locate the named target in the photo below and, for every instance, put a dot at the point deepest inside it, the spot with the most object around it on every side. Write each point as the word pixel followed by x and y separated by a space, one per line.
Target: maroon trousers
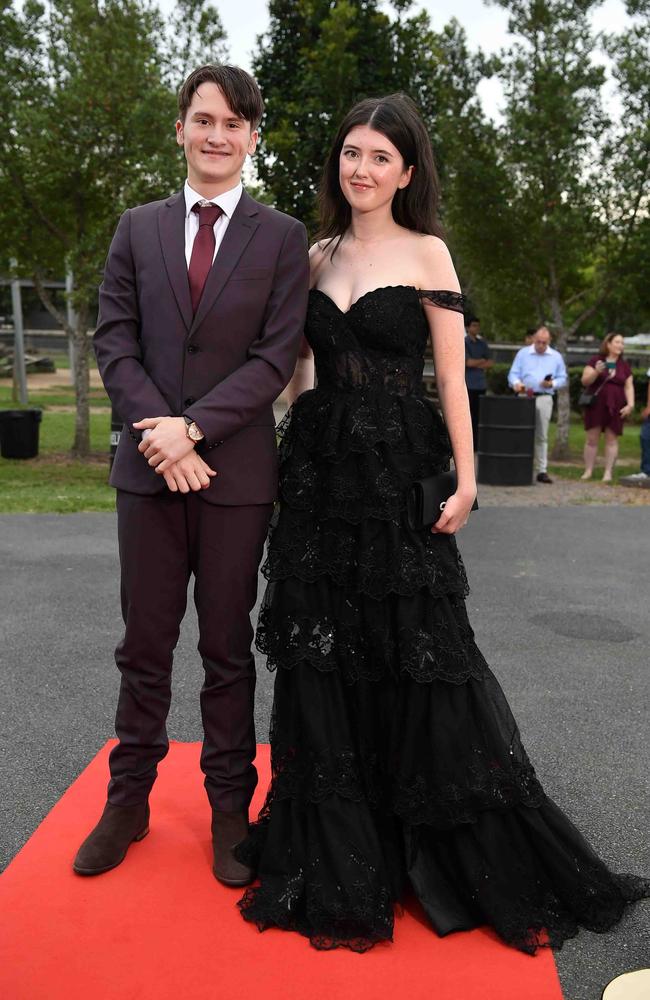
pixel 163 540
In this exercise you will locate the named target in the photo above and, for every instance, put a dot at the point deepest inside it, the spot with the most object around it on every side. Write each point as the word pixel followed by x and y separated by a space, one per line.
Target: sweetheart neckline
pixel 381 288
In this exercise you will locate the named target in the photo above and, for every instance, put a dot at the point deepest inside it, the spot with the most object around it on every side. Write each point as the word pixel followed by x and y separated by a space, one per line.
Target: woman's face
pixel 616 344
pixel 371 169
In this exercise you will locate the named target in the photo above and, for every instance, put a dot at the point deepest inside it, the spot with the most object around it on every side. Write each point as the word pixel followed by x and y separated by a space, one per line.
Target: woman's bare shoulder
pixel 437 268
pixel 322 248
pixel 319 256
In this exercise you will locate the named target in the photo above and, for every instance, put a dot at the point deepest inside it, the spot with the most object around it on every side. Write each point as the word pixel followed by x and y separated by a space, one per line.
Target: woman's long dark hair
pixel 415 206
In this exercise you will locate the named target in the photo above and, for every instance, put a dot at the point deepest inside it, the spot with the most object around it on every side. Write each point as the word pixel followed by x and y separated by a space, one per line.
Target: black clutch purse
pixel 426 499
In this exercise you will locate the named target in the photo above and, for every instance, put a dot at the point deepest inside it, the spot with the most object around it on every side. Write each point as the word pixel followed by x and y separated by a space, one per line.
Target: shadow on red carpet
pixel 160 927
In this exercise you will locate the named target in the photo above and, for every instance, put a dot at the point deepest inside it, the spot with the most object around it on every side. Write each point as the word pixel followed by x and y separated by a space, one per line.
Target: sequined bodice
pixel 378 343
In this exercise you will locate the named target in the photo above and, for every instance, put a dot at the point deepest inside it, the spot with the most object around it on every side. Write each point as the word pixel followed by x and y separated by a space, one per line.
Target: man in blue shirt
pixel 477 361
pixel 539 371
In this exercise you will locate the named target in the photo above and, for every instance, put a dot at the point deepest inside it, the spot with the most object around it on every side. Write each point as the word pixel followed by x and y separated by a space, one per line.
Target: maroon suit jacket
pixel 224 366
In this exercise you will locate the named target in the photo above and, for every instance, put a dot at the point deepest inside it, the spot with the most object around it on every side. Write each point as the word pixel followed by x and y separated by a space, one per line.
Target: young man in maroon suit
pixel 202 309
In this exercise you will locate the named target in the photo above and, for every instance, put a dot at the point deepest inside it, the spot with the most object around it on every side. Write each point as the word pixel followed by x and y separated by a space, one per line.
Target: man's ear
pixel 252 145
pixel 180 134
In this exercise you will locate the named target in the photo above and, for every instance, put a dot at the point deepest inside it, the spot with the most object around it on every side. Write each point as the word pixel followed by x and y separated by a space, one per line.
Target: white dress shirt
pixel 227 201
pixel 530 368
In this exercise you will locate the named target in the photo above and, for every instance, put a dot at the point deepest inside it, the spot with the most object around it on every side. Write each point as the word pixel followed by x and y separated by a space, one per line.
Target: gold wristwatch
pixel 194 432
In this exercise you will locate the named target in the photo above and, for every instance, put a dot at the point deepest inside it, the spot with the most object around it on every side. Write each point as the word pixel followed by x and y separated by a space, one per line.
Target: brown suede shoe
pixel 106 846
pixel 228 830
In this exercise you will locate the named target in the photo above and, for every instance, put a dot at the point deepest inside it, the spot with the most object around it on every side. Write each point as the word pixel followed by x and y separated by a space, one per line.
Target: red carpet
pixel 160 927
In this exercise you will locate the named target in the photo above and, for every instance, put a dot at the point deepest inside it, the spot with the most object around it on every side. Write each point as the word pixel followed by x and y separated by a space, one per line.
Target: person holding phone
pixel 538 370
pixel 609 377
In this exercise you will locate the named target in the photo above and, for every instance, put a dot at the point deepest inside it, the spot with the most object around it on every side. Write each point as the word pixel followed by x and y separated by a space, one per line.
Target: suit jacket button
pixel 192 349
pixel 190 400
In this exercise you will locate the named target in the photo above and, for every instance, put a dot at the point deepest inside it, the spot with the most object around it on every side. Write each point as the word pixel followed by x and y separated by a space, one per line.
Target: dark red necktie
pixel 202 250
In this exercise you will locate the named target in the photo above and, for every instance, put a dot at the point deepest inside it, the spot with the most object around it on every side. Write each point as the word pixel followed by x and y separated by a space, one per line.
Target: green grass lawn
pixel 629 452
pixel 58 395
pixel 575 471
pixel 61 359
pixel 53 483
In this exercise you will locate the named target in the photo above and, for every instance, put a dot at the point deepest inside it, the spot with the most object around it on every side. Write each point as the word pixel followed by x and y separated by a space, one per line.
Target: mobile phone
pixel 547 377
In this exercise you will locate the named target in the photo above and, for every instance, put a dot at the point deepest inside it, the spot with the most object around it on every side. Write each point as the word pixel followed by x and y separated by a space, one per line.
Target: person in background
pixel 643 477
pixel 538 370
pixel 477 361
pixel 530 333
pixel 609 376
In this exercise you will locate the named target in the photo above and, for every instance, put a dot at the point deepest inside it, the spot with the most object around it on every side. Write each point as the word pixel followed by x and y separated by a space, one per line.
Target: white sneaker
pixel 637 476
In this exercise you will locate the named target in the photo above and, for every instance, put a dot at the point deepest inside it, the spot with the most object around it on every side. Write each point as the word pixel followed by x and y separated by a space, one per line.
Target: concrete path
pixel 560 607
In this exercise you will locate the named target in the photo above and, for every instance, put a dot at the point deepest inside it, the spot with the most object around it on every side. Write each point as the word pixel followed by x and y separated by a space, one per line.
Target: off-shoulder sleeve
pixel 443 298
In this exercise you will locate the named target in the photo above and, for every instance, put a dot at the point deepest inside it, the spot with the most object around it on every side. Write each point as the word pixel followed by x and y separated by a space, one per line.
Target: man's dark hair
pixel 471 319
pixel 531 331
pixel 237 86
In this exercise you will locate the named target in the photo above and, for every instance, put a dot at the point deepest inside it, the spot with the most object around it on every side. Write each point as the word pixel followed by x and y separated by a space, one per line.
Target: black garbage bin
pixel 506 440
pixel 19 433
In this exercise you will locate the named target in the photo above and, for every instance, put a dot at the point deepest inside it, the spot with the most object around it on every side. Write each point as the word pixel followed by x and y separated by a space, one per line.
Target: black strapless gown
pixel 396 761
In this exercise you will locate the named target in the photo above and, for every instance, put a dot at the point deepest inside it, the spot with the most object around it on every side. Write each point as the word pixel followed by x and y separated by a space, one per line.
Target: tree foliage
pixel 88 88
pixel 318 58
pixel 547 210
pixel 558 189
pixel 626 194
pixel 194 36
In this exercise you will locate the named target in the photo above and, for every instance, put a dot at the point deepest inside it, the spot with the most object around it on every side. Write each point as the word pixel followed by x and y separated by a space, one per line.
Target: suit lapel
pixel 171 229
pixel 237 236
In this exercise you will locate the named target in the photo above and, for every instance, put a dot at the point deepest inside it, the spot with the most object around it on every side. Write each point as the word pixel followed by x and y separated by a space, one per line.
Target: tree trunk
pixel 561 447
pixel 81 444
pixel 77 332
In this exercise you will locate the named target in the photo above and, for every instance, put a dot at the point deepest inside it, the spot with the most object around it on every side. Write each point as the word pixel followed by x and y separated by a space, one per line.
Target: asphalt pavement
pixel 559 604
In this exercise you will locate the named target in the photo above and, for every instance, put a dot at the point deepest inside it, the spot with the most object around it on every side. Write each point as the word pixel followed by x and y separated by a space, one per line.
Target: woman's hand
pixel 455 514
pixel 626 410
pixel 600 366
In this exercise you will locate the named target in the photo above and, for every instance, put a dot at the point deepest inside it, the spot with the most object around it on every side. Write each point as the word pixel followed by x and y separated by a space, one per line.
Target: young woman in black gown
pixel 396 760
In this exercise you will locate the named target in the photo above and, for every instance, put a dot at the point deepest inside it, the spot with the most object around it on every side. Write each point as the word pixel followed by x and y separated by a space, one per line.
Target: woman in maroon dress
pixel 609 377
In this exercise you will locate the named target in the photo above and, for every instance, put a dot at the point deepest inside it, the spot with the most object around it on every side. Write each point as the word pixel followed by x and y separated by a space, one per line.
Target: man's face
pixel 216 141
pixel 474 329
pixel 541 340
